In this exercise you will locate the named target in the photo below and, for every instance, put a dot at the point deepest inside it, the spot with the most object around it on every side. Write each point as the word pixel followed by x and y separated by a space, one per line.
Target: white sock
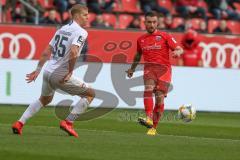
pixel 32 109
pixel 78 109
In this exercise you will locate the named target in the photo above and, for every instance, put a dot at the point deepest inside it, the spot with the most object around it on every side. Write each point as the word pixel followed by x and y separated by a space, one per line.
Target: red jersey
pixel 187 3
pixel 155 47
pixel 191 57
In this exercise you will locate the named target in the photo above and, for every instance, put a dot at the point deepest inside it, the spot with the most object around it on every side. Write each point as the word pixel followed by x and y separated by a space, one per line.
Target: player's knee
pixel 159 94
pixel 93 94
pixel 90 93
pixel 46 100
pixel 159 97
pixel 149 88
pixel 159 101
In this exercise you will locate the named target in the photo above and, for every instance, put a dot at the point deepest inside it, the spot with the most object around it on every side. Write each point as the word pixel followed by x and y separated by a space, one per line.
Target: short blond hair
pixel 78 8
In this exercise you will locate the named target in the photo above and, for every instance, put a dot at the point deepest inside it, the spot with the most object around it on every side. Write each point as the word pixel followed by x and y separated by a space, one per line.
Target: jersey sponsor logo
pixel 15 45
pixel 153 47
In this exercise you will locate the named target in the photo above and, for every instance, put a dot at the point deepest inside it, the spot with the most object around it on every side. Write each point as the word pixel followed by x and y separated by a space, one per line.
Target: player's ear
pixel 76 16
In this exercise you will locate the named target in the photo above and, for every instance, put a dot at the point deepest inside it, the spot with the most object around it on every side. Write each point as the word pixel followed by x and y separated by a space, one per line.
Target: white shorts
pixel 74 86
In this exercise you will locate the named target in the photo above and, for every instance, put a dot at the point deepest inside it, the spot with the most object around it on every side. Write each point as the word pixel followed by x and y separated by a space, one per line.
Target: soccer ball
pixel 187 113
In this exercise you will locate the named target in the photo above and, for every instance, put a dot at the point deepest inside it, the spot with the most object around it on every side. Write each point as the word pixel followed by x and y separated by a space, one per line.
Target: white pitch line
pixel 163 135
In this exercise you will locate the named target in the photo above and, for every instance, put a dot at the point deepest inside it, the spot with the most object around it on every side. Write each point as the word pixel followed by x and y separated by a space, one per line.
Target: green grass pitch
pixel 117 136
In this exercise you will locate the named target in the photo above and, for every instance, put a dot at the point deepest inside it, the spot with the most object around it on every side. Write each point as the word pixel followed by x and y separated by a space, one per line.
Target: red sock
pixel 157 112
pixel 148 103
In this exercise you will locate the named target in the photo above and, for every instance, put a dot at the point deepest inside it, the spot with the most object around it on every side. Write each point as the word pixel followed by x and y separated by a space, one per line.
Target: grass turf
pixel 117 136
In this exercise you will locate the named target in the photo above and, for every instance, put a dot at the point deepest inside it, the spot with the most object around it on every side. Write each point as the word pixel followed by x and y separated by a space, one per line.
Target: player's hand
pixel 32 76
pixel 66 78
pixel 175 55
pixel 177 52
pixel 130 72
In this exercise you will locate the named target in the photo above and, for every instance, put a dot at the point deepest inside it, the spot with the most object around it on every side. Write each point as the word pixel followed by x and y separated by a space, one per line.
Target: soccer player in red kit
pixel 155 47
pixel 192 55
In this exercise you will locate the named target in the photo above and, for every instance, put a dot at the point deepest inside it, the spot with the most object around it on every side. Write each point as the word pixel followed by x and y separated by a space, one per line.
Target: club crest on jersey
pixel 80 39
pixel 158 38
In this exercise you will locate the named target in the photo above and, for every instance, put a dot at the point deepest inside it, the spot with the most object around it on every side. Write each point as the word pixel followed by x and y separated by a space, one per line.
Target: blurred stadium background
pixel 207 75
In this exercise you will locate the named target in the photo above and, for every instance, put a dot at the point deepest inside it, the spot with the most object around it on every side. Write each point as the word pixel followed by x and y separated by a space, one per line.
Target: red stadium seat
pixel 237 5
pixel 117 7
pixel 131 6
pixel 91 17
pixel 66 15
pixel 174 12
pixel 110 18
pixel 58 17
pixel 43 3
pixel 124 20
pixel 3 2
pixel 177 21
pixel 195 22
pixel 212 24
pixel 234 26
pixel 203 4
pixel 46 3
pixel 8 16
pixel 166 3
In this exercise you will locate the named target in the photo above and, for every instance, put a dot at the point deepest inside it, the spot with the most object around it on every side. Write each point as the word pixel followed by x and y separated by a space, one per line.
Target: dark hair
pixel 151 14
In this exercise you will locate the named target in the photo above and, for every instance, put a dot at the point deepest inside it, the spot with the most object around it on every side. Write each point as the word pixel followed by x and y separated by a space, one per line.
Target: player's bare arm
pixel 136 61
pixel 72 60
pixel 177 52
pixel 44 57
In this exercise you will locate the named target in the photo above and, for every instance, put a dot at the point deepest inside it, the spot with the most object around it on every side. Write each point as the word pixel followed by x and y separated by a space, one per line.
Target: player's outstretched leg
pixel 79 108
pixel 67 124
pixel 32 109
pixel 157 112
pixel 148 104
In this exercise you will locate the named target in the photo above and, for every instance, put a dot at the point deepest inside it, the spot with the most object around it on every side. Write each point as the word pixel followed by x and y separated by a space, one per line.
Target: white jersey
pixel 64 38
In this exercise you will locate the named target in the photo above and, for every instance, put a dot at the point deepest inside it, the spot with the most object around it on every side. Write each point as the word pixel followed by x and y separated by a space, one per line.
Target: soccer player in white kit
pixel 63 50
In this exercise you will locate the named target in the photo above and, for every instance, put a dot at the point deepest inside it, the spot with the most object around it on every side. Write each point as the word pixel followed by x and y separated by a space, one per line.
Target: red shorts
pixel 161 74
